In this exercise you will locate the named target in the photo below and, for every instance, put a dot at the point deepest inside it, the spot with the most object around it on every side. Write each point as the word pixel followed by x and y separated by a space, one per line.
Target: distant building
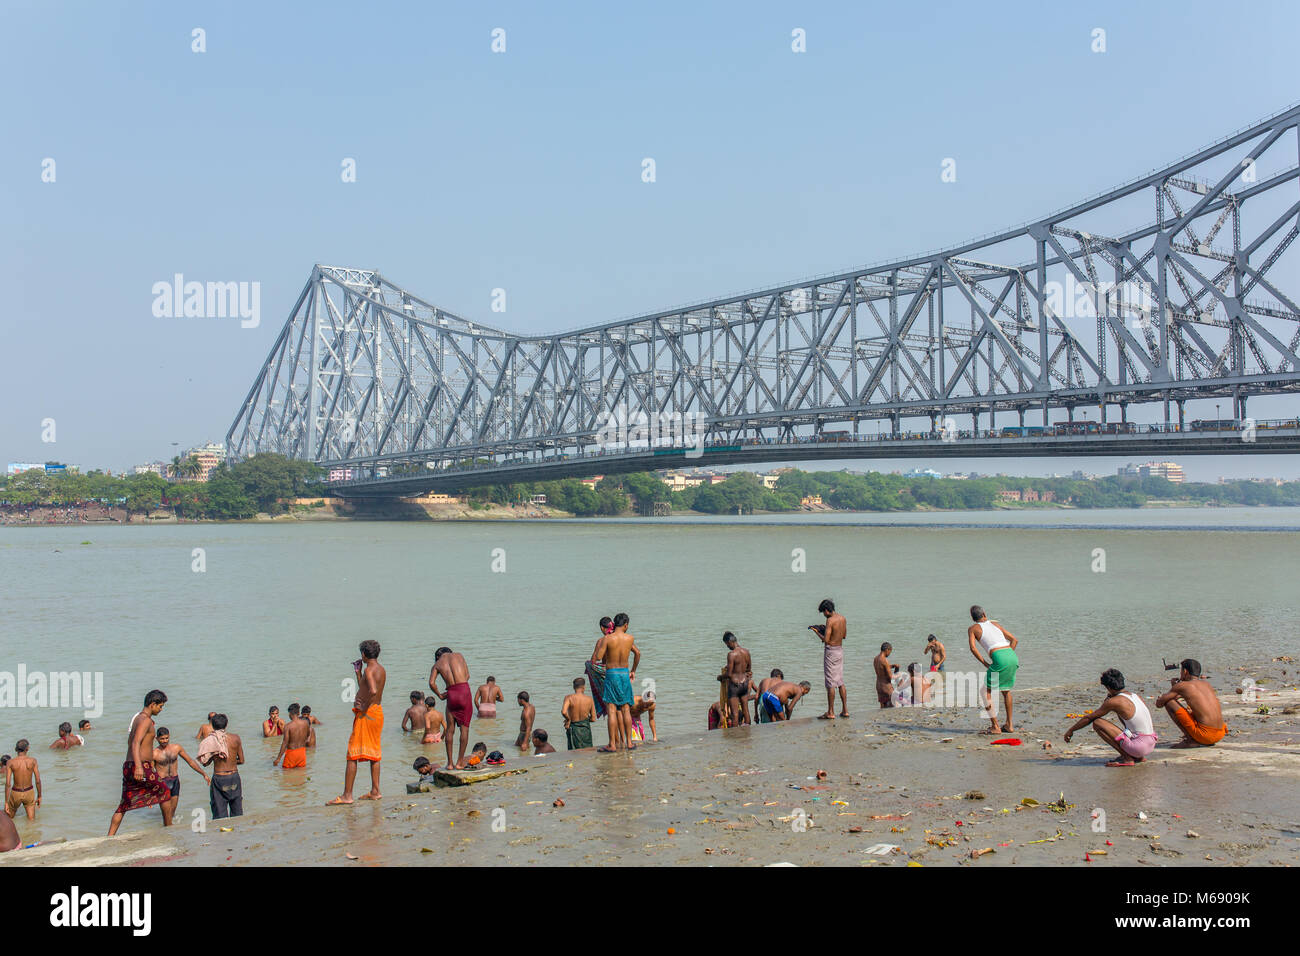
pixel 1128 471
pixel 769 481
pixel 537 500
pixel 1009 495
pixel 1170 471
pixel 1254 481
pixel 677 481
pixel 18 467
pixel 810 501
pixel 593 481
pixel 153 468
pixel 922 473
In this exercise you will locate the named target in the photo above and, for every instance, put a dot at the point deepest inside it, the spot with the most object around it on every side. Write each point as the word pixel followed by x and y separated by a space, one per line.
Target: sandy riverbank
pixel 921 780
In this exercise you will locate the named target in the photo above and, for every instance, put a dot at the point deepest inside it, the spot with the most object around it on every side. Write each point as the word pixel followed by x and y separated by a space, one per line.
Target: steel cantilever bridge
pixel 1001 346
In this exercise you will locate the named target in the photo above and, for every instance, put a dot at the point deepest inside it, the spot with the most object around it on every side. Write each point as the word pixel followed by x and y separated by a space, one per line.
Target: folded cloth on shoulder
pixel 212 746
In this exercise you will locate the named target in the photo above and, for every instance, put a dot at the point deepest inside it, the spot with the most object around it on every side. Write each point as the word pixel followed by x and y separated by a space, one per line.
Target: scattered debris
pixel 975 795
pixel 559 802
pixel 1059 805
pixel 882 849
pixel 976 854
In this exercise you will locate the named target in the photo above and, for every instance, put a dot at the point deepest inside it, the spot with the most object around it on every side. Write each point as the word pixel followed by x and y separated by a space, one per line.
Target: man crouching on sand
pixel 367 723
pixel 1200 717
pixel 1137 738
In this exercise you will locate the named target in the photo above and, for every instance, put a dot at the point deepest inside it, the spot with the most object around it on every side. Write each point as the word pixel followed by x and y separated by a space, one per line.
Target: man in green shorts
pixel 999 645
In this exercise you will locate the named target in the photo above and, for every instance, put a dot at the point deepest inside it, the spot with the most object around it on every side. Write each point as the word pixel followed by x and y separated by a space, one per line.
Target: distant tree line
pixel 745 493
pixel 232 491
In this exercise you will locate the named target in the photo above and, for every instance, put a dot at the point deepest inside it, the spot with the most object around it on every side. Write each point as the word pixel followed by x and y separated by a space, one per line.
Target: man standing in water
pixel 141 785
pixel 486 699
pixel 453 670
pixel 1200 718
pixel 413 719
pixel 613 650
pixel 832 634
pixel 578 712
pixel 1000 646
pixel 366 742
pixel 166 758
pixel 884 676
pixel 226 794
pixel 740 671
pixel 21 776
pixel 527 714
pixel 293 745
pixel 938 653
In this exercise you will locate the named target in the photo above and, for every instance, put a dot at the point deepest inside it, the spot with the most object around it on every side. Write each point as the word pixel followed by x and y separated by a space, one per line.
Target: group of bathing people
pixel 1190 702
pixel 150 774
pixel 612 669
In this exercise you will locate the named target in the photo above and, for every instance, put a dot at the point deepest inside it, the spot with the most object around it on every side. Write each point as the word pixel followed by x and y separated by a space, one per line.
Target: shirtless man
pixel 413 719
pixel 760 706
pixel 613 650
pixel 166 758
pixel 9 839
pixel 527 714
pixel 307 716
pixel 83 726
pixel 365 743
pixel 832 634
pixel 486 699
pixel 541 743
pixel 273 726
pixel 777 696
pixel 938 653
pixel 740 672
pixel 884 676
pixel 453 670
pixel 578 711
pixel 293 745
pixel 434 725
pixel 644 705
pixel 914 688
pixel 141 785
pixel 1199 717
pixel 67 739
pixel 226 792
pixel 205 729
pixel 21 775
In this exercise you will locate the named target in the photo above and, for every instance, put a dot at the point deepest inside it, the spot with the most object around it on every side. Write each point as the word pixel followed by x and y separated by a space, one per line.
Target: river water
pixel 276 612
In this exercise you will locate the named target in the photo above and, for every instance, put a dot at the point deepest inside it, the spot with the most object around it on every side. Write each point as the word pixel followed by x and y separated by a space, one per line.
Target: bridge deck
pixel 1146 445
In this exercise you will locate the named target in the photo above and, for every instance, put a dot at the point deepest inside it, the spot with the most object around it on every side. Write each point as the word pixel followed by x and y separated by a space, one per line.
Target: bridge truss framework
pixel 1066 312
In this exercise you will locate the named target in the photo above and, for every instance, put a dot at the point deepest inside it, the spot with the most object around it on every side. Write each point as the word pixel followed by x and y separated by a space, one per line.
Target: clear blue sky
pixel 522 170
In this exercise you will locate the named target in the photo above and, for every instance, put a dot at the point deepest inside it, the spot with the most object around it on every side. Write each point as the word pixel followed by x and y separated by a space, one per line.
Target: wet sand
pixel 922 780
